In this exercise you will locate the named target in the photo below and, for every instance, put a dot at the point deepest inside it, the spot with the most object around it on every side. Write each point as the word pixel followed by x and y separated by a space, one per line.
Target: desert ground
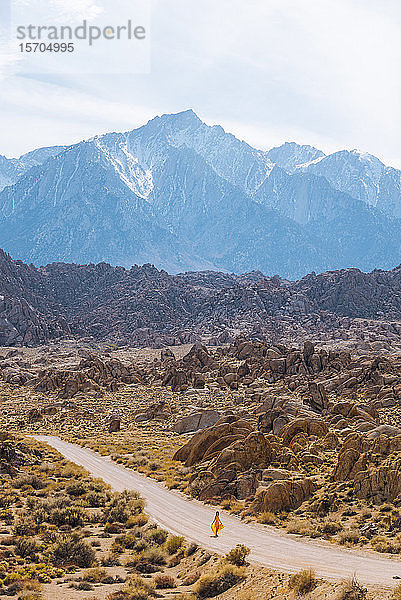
pixel 299 441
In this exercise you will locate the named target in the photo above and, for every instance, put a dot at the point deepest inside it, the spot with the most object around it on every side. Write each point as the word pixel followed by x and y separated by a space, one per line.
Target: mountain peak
pixel 183 118
pixel 291 155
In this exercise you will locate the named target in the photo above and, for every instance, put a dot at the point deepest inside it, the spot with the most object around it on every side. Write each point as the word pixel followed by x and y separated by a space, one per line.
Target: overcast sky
pixel 322 72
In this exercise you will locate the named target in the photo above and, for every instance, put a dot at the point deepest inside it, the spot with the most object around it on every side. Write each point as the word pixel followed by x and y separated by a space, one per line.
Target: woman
pixel 217 525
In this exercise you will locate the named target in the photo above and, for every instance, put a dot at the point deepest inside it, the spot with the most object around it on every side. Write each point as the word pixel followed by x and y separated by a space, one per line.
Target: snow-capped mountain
pixel 11 169
pixel 184 195
pixel 359 174
pixel 290 155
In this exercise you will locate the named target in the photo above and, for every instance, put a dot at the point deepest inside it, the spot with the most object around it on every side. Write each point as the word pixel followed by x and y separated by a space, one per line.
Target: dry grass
pixel 237 556
pixel 220 580
pixel 302 527
pixel 163 581
pixel 303 582
pixel 351 589
pixel 267 518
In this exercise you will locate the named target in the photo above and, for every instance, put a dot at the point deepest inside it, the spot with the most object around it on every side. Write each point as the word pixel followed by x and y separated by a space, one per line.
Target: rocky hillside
pixel 144 306
pixel 301 437
pixel 182 195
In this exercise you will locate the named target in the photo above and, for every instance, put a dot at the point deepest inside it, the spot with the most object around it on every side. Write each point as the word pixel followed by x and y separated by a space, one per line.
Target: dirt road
pixel 269 547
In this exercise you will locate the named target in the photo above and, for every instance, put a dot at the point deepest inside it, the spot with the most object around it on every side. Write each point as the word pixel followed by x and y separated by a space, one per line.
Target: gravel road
pixel 269 547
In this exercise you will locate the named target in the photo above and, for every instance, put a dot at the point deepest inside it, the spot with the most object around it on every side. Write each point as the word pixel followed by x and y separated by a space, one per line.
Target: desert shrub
pixel 129 541
pixel 78 488
pixel 383 544
pixel 30 595
pixel 351 590
pixel 46 505
pixel 164 581
pixel 157 536
pixel 29 479
pixel 302 527
pixel 118 512
pixel 120 595
pixel 123 506
pixel 148 561
pixel 154 465
pixel 331 527
pixel 98 485
pixel 117 547
pixel 25 526
pixel 47 467
pixel 195 488
pixel 191 549
pixel 303 582
pixel 71 549
pixel 137 520
pixel 267 518
pixel 349 536
pixel 174 560
pixel 96 499
pixel 95 575
pixel 174 543
pixel 113 528
pixel 39 572
pixel 85 586
pixel 237 556
pixel 191 578
pixel 385 508
pixel 7 541
pixel 25 546
pixel 204 558
pixel 154 556
pixel 141 545
pixel 137 588
pixel 6 501
pixel 73 516
pixel 70 470
pixel 111 560
pixel 6 515
pixel 224 578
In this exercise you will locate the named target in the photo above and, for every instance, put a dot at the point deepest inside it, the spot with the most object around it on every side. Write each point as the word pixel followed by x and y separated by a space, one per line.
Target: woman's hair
pixel 217 512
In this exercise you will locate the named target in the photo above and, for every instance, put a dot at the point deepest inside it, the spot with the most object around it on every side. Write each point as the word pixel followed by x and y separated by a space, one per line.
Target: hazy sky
pixel 322 72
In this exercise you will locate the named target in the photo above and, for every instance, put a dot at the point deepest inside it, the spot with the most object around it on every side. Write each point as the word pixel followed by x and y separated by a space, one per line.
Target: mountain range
pixel 186 196
pixel 144 306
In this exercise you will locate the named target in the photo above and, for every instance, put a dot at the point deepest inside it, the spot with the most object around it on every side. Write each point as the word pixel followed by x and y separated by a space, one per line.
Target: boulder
pixel 388 430
pixel 177 378
pixel 167 354
pixel 309 427
pixel 34 415
pixel 254 451
pixel 381 484
pixel 114 425
pixel 350 462
pixel 158 411
pixel 196 421
pixel 318 396
pixel 198 381
pixel 309 350
pixel 246 485
pixel 194 450
pixel 284 495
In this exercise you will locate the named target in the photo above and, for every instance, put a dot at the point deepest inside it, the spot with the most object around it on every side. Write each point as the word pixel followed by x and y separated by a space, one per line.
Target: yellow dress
pixel 217 525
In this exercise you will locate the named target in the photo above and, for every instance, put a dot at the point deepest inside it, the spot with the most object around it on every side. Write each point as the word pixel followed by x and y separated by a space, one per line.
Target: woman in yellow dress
pixel 217 525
